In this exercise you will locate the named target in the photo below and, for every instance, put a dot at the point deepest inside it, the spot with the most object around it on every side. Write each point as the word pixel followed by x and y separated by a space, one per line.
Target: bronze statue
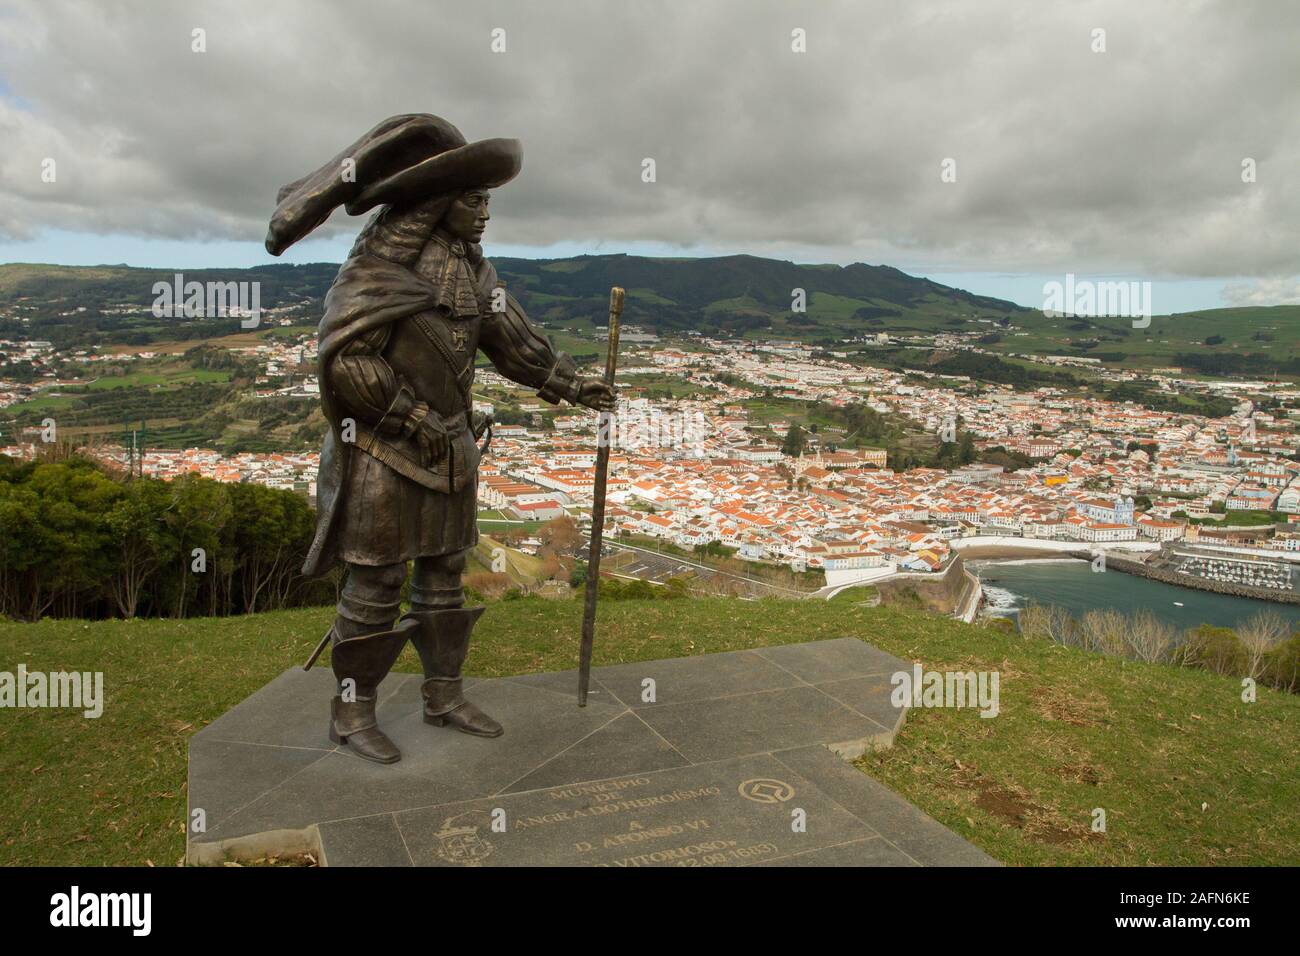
pixel 410 308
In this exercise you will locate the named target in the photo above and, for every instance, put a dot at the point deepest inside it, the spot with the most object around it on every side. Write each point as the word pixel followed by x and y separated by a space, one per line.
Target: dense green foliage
pixel 1211 406
pixel 986 368
pixel 1216 362
pixel 795 442
pixel 78 542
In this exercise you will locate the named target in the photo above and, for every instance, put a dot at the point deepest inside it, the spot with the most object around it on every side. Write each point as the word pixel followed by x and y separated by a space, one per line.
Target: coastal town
pixel 707 463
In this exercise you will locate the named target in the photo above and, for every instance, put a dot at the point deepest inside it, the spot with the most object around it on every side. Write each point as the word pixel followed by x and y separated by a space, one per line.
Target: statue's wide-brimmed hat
pixel 403 159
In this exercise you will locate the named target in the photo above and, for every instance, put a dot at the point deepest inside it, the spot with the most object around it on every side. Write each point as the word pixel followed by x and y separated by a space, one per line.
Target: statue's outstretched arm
pixel 523 354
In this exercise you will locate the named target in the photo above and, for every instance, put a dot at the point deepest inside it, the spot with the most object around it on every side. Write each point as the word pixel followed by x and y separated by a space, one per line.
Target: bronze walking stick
pixel 604 438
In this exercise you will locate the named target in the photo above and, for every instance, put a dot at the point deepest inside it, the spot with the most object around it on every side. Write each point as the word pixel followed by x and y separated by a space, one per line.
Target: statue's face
pixel 467 216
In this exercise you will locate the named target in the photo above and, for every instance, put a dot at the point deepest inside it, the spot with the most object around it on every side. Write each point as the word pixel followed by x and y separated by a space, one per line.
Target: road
pixel 657 568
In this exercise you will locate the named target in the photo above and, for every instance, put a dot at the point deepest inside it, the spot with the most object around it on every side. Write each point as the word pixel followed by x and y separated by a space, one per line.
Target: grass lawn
pixel 171 375
pixel 1186 772
pixel 1242 519
pixel 506 525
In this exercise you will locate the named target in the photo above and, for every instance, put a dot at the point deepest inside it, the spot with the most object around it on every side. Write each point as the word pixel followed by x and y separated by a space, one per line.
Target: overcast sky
pixel 1126 162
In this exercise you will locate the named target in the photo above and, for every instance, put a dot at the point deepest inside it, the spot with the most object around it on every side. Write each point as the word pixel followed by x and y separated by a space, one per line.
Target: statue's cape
pixel 368 293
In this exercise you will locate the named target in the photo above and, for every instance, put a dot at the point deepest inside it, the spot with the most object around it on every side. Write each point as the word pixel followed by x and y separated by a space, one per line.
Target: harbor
pixel 1073 584
pixel 1244 571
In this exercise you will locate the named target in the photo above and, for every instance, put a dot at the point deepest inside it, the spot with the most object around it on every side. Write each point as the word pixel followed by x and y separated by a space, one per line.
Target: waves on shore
pixel 999 602
pixel 979 563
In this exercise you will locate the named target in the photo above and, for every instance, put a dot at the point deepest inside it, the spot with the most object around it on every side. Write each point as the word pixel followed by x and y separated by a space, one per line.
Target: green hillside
pixel 1186 772
pixel 736 295
pixel 281 282
pixel 110 305
pixel 731 294
pixel 1243 341
pixel 727 295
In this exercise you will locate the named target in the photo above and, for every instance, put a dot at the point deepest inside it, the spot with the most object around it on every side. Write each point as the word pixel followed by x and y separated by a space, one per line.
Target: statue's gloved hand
pixel 480 423
pixel 431 436
pixel 594 393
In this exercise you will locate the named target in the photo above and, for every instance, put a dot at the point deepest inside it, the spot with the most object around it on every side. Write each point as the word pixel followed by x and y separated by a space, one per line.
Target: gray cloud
pixel 1263 292
pixel 1067 160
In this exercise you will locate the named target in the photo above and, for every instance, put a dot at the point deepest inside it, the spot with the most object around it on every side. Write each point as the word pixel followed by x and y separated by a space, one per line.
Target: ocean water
pixel 1073 585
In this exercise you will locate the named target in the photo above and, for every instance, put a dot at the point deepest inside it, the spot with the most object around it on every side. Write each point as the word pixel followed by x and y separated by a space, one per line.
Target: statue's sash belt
pixel 464 374
pixel 407 467
pixel 400 462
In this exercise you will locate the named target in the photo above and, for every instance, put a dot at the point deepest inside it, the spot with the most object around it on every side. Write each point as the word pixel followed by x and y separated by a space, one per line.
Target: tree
pixel 552 568
pixel 78 541
pixel 560 534
pixel 270 525
pixel 1259 634
pixel 795 442
pixel 966 449
pixel 26 547
pixel 140 539
pixel 197 511
pixel 73 496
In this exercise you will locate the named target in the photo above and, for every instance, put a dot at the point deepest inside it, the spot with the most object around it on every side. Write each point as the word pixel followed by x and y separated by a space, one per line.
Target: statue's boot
pixel 443 643
pixel 365 659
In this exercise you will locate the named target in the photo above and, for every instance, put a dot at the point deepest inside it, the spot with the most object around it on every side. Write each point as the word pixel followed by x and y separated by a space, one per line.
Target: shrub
pixel 1258 636
pixel 1149 639
pixel 1104 632
pixel 677 588
pixel 1214 649
pixel 1051 623
pixel 1259 651
pixel 1002 625
pixel 489 584
pixel 1282 665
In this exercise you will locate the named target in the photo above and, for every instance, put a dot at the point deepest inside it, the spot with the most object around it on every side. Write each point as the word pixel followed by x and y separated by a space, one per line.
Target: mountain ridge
pixel 731 295
pixel 738 295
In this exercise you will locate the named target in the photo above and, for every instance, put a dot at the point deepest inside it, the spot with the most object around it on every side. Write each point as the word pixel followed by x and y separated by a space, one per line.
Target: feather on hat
pixel 404 158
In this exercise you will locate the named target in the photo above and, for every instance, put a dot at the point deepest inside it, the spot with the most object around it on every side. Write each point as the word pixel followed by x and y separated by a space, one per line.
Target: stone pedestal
pixel 724 759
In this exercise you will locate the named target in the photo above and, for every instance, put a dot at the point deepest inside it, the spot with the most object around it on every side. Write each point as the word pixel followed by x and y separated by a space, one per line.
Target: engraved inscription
pixel 766 790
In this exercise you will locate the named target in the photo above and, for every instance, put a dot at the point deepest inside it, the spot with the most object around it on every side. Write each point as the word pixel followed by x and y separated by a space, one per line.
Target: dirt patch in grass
pixel 1055 704
pixel 1002 803
pixel 1080 773
pixel 1056 834
pixel 1014 808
